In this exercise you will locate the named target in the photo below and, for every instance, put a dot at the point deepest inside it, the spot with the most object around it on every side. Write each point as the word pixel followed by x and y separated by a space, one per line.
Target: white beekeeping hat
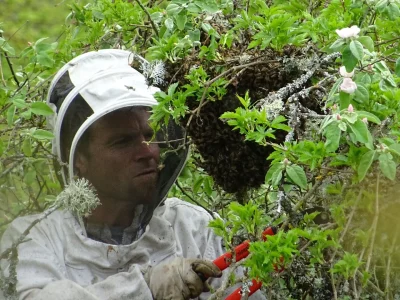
pixel 106 82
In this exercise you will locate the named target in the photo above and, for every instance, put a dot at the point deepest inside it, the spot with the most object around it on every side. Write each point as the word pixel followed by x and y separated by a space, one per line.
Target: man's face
pixel 119 163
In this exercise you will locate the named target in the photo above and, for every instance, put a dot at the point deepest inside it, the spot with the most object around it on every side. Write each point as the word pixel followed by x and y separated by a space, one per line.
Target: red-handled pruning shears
pixel 242 251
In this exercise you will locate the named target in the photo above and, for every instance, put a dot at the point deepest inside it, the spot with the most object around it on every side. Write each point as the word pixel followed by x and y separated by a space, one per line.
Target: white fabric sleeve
pixel 121 286
pixel 41 276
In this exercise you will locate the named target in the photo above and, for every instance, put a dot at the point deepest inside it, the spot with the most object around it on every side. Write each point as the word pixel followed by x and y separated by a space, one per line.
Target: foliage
pixel 331 138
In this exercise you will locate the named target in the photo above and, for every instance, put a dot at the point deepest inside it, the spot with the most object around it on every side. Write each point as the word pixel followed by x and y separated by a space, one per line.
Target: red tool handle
pixel 241 251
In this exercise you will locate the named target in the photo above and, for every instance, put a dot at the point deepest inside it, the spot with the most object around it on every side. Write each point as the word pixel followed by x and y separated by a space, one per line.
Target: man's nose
pixel 145 150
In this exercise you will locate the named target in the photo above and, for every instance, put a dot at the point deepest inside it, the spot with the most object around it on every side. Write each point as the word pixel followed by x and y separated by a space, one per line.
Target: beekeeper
pixel 137 244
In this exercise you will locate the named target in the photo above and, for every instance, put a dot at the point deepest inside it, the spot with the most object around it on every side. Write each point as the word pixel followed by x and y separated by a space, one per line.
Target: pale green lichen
pixel 79 197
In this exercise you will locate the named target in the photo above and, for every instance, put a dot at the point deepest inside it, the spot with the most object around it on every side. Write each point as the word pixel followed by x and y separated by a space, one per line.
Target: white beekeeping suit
pixel 60 259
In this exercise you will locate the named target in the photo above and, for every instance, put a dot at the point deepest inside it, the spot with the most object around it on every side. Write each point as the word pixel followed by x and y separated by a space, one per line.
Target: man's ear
pixel 81 164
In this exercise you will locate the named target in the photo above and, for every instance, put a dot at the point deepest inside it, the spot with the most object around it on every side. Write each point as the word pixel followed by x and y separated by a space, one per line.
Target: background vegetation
pixel 279 135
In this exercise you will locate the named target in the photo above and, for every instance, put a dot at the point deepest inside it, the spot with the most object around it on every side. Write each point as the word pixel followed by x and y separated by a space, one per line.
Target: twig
pixel 192 199
pixel 15 32
pixel 1 74
pixel 370 283
pixel 225 283
pixel 302 200
pixel 387 281
pixel 387 42
pixel 14 245
pixel 11 68
pixel 333 285
pixel 289 89
pixel 374 225
pixel 149 16
pixel 15 164
pixel 232 69
pixel 350 217
pixel 355 293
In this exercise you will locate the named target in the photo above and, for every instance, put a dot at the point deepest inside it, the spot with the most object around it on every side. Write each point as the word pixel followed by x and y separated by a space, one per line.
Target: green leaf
pixel 273 172
pixel 342 126
pixel 29 176
pixel 387 165
pixel 206 27
pixel 197 184
pixel 41 134
pixel 349 60
pixel 208 6
pixel 156 17
pixel 193 8
pixel 361 94
pixel 297 175
pixel 370 117
pixel 254 44
pixel 194 35
pixel 337 44
pixel 44 59
pixel 5 46
pixel 19 102
pixel 357 49
pixel 332 134
pixel 41 108
pixel 335 88
pixel 173 9
pixel 10 115
pixel 365 164
pixel 393 11
pixel 397 67
pixel 208 186
pixel 360 130
pixel 364 78
pixel 181 21
pixel 169 23
pixel 367 42
pixel 27 147
pixel 229 115
pixel 395 148
pixel 1 147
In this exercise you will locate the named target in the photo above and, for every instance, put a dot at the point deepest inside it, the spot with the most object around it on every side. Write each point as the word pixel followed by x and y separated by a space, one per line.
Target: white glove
pixel 178 279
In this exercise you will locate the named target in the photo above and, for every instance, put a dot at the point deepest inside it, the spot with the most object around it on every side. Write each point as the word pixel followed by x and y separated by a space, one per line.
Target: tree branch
pixel 149 16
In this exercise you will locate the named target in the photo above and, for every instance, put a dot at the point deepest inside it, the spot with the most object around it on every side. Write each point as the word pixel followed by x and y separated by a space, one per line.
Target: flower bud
pixel 350 109
pixel 338 117
pixel 286 162
pixel 365 120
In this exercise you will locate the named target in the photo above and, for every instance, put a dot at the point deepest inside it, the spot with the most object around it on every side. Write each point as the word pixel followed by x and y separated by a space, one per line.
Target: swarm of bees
pixel 234 163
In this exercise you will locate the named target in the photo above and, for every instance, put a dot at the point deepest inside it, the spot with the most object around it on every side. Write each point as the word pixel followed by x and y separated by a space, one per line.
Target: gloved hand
pixel 177 280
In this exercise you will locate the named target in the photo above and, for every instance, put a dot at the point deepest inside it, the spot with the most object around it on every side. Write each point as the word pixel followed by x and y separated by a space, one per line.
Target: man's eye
pixel 123 141
pixel 149 135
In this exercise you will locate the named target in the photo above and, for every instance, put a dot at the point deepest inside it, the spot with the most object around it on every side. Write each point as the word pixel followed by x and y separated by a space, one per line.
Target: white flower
pixel 347 32
pixel 344 73
pixel 348 86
